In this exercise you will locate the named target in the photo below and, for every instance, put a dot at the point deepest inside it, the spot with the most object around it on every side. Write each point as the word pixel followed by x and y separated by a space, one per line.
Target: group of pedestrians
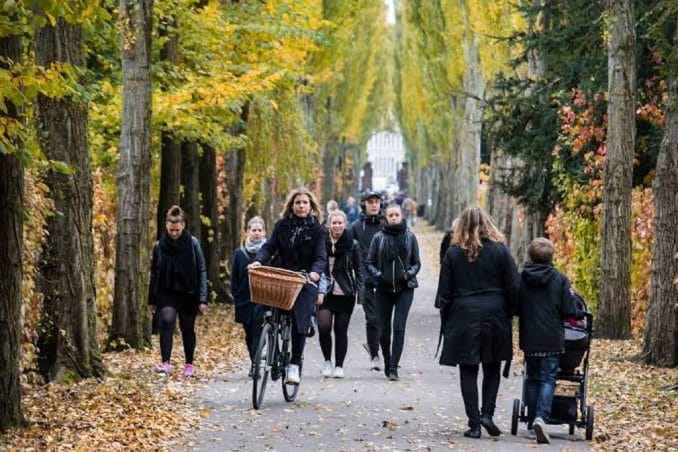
pixel 374 261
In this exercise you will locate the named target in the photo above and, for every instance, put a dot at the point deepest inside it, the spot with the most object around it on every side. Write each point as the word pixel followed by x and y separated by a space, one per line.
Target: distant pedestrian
pixel 351 210
pixel 477 292
pixel 408 211
pixel 393 263
pixel 178 287
pixel 330 207
pixel 447 240
pixel 363 230
pixel 248 314
pixel 344 278
pixel 545 301
pixel 298 241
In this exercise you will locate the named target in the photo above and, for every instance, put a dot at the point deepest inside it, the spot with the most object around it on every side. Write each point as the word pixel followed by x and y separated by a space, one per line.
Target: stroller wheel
pixel 589 422
pixel 515 417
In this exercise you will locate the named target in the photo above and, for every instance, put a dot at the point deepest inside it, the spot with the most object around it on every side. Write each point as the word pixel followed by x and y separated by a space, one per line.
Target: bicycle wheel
pixel 262 365
pixel 290 391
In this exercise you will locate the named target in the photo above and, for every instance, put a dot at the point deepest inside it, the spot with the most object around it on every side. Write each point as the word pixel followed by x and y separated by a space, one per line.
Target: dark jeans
pixel 468 376
pixel 540 385
pixel 340 320
pixel 168 320
pixel 298 343
pixel 388 304
pixel 372 324
pixel 252 333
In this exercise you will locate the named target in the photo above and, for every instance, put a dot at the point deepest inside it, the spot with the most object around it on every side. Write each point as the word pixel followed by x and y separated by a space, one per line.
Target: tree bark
pixel 209 233
pixel 131 319
pixel 68 339
pixel 190 196
pixel 11 242
pixel 660 345
pixel 170 151
pixel 614 309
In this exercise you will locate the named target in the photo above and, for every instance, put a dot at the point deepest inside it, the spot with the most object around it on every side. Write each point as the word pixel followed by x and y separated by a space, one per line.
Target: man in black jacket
pixel 363 230
pixel 545 301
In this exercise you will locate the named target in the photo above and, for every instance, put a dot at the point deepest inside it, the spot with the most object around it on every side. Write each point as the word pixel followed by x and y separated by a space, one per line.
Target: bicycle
pixel 273 354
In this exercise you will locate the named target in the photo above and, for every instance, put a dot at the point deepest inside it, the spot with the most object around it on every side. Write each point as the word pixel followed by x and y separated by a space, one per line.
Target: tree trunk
pixel 614 309
pixel 11 242
pixel 170 179
pixel 190 196
pixel 131 319
pixel 68 338
pixel 170 151
pixel 210 237
pixel 660 344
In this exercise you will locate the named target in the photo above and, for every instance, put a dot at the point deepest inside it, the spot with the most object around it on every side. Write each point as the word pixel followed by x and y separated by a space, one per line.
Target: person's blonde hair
pixel 315 207
pixel 256 220
pixel 336 213
pixel 540 250
pixel 475 225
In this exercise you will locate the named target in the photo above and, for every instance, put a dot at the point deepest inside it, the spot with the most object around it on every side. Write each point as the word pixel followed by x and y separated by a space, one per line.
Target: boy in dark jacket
pixel 545 300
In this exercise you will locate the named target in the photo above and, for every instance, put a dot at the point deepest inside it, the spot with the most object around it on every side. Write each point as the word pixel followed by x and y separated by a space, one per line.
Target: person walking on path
pixel 345 278
pixel 298 242
pixel 363 230
pixel 178 286
pixel 545 301
pixel 477 291
pixel 248 314
pixel 393 262
pixel 351 210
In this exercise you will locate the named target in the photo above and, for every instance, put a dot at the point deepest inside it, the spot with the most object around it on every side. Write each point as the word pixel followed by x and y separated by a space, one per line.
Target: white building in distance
pixel 386 153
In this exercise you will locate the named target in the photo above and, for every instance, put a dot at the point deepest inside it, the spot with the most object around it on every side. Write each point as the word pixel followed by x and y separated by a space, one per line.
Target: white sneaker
pixel 540 431
pixel 292 377
pixel 338 372
pixel 327 369
pixel 375 364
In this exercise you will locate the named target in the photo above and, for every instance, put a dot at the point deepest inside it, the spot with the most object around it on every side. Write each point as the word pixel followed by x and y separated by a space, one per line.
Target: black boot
pixel 393 374
pixel 473 432
pixel 492 429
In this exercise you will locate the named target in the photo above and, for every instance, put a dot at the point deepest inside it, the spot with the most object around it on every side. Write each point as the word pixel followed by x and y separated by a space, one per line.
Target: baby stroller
pixel 568 409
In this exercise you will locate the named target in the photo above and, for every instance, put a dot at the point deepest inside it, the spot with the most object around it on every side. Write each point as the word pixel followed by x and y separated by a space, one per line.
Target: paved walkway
pixel 364 411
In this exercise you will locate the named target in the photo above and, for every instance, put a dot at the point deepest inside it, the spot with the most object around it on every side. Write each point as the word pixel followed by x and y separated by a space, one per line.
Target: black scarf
pixel 301 229
pixel 341 246
pixel 394 240
pixel 178 269
pixel 370 219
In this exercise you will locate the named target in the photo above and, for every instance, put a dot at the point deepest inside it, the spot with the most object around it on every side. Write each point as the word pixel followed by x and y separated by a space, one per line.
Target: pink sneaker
pixel 164 368
pixel 189 370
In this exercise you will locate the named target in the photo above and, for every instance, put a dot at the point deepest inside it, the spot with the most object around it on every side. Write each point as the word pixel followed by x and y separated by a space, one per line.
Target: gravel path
pixel 364 411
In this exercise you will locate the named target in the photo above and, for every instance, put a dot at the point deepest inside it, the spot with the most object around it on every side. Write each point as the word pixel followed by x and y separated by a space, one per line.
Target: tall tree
pixel 11 238
pixel 210 237
pixel 614 315
pixel 68 341
pixel 130 315
pixel 190 185
pixel 170 150
pixel 661 324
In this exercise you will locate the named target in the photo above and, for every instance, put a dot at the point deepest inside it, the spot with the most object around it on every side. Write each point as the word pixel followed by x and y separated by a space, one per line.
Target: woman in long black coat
pixel 298 242
pixel 476 297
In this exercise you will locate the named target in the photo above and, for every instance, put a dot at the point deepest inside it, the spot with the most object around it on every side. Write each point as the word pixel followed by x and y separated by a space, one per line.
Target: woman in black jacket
pixel 393 264
pixel 298 242
pixel 178 286
pixel 476 296
pixel 345 279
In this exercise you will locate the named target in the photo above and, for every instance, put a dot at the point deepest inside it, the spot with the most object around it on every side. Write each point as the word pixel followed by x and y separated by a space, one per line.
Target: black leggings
pixel 387 304
pixel 252 333
pixel 468 376
pixel 168 320
pixel 341 320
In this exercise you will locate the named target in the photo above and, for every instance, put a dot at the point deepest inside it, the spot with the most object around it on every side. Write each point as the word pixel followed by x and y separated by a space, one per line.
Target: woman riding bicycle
pixel 298 244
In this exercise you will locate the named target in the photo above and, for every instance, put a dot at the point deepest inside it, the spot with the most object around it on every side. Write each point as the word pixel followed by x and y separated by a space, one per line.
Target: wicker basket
pixel 275 287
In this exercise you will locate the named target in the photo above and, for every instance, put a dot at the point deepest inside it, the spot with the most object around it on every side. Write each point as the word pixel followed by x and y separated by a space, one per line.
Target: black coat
pixel 544 302
pixel 347 271
pixel 362 231
pixel 246 312
pixel 394 276
pixel 476 302
pixel 309 255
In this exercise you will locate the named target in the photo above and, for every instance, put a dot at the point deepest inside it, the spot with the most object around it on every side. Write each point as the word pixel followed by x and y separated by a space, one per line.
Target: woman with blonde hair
pixel 477 292
pixel 298 242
